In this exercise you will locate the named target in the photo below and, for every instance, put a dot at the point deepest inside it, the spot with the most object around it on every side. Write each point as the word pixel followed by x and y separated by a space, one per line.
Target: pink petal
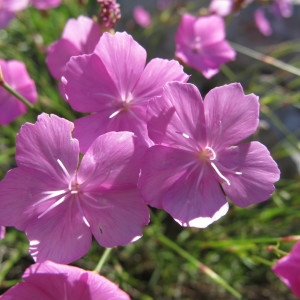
pixel 116 51
pixel 14 5
pixel 47 146
pixel 80 36
pixel 15 74
pixel 252 173
pixel 173 180
pixel 19 190
pixel 2 232
pixel 216 32
pixel 262 22
pixel 58 54
pixel 177 118
pixel 158 72
pixel 112 162
pixel 60 235
pixel 81 81
pixel 49 280
pixel 230 115
pixel 100 123
pixel 120 219
pixel 5 17
pixel 83 32
pixel 142 16
pixel 288 268
pixel 45 4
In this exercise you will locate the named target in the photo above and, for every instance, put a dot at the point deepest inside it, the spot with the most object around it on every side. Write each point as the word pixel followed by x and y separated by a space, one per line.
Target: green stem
pixel 206 270
pixel 16 94
pixel 266 59
pixel 102 260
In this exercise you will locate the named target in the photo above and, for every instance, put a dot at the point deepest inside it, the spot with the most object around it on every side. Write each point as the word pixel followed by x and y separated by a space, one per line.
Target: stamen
pixel 63 168
pixel 211 152
pixel 115 113
pixel 51 194
pixel 185 135
pixel 238 173
pixel 55 204
pixel 219 173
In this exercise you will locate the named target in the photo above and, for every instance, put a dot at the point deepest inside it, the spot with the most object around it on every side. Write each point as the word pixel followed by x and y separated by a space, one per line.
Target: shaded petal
pixel 83 32
pixel 185 33
pixel 173 180
pixel 288 269
pixel 88 86
pixel 42 145
pixel 123 58
pixel 60 235
pixel 158 72
pixel 112 162
pixel 177 118
pixel 88 128
pixel 58 54
pixel 256 173
pixel 118 218
pixel 231 116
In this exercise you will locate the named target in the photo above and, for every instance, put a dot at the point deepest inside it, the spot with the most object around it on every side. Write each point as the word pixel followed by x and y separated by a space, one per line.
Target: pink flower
pixel 60 203
pixel 45 4
pixel 8 8
pixel 114 85
pixel 262 23
pixel 200 43
pixel 80 36
pixel 49 280
pixel 142 16
pixel 288 269
pixel 15 74
pixel 195 165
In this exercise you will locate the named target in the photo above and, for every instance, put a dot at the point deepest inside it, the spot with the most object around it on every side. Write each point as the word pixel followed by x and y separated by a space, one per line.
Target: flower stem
pixel 102 260
pixel 206 270
pixel 16 94
pixel 266 59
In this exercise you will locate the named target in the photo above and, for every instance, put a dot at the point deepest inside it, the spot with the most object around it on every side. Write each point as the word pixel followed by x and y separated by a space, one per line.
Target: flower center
pixel 209 155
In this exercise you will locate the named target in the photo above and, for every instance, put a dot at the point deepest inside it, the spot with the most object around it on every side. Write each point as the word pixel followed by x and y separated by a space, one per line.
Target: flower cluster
pixel 147 138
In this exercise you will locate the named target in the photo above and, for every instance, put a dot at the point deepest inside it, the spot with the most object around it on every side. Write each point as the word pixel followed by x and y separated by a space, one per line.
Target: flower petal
pixel 47 146
pixel 115 52
pixel 112 162
pixel 120 219
pixel 231 116
pixel 158 72
pixel 58 54
pixel 173 180
pixel 60 235
pixel 81 80
pixel 177 118
pixel 252 173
